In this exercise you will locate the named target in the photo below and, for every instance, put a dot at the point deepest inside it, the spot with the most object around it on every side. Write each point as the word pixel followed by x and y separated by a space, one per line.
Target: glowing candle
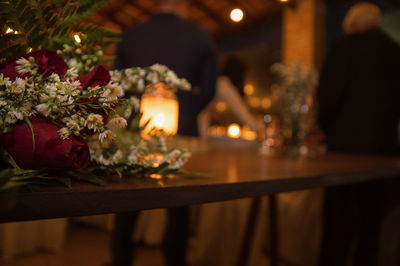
pixel 161 109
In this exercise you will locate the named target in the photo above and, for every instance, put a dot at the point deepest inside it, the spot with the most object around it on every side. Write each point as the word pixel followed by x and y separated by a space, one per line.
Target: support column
pixel 304 32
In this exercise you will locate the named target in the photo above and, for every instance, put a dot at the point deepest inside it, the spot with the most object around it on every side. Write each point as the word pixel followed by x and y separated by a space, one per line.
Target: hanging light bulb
pixel 236 15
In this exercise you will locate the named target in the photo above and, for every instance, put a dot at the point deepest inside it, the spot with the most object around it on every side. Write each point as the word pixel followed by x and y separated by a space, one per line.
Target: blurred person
pixel 229 90
pixel 166 38
pixel 359 112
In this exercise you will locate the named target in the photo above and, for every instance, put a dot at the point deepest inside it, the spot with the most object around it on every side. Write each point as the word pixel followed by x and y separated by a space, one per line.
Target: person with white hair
pixel 359 111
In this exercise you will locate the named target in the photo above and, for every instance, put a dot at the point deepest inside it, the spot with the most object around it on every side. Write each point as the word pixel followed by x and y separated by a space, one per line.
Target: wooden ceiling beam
pixel 242 4
pixel 209 12
pixel 139 7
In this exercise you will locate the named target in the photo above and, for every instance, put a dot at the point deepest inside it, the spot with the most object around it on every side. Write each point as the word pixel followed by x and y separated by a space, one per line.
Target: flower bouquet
pixel 63 115
pixel 293 100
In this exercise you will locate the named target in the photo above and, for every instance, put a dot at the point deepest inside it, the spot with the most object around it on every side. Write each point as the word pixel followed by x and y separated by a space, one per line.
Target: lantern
pixel 161 109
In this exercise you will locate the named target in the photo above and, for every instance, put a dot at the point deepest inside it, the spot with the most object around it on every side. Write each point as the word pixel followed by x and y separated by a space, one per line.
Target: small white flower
pixel 23 66
pixel 116 90
pixel 4 80
pixel 117 157
pixel 140 85
pixel 115 76
pixel 43 109
pixel 133 158
pixel 129 71
pixel 135 103
pixel 171 77
pixel 152 77
pixel 159 67
pixel 106 136
pixel 72 62
pixel 71 73
pixel 103 161
pixel 117 122
pixel 51 89
pixel 94 121
pixel 54 77
pixel 185 85
pixel 72 124
pixel 19 86
pixel 64 132
pixel 16 114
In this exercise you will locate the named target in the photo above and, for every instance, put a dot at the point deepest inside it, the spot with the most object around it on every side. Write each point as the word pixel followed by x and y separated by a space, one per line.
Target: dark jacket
pixel 359 94
pixel 166 39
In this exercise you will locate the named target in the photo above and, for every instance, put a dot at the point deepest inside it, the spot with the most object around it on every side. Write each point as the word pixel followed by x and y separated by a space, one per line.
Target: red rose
pixel 48 61
pixel 50 150
pixel 99 76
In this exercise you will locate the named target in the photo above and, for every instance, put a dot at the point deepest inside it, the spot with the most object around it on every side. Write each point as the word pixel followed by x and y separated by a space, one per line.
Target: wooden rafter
pixel 209 12
pixel 139 7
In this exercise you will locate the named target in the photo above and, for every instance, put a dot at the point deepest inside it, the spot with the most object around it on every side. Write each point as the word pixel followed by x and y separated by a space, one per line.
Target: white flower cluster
pixel 294 97
pixel 138 79
pixel 139 154
pixel 61 100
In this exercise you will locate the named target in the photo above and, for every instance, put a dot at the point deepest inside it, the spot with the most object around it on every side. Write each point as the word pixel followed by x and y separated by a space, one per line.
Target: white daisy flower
pixel 117 122
pixel 64 132
pixel 43 109
pixel 23 66
pixel 106 136
pixel 94 121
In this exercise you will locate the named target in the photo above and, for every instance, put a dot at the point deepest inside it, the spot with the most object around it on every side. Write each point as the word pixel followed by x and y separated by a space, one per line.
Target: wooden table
pixel 217 175
pixel 224 174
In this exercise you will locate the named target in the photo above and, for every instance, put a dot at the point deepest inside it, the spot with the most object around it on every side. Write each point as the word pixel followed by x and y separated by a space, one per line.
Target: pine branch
pixel 43 24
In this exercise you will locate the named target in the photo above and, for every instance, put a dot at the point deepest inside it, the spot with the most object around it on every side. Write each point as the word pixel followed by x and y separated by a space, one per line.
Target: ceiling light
pixel 236 15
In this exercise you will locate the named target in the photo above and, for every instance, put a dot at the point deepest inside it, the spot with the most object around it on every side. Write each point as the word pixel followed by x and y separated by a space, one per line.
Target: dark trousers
pixel 174 243
pixel 351 225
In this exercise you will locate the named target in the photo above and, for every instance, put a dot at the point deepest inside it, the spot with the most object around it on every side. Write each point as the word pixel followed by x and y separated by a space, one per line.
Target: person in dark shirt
pixel 169 40
pixel 359 112
pixel 187 50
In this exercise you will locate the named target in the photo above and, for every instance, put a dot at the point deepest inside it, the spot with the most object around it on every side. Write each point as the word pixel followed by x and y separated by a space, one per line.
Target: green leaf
pixel 86 176
pixel 28 122
pixel 5 176
pixel 64 180
pixel 10 160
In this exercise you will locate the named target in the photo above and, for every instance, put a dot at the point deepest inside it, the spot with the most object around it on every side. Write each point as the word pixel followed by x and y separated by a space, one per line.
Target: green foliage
pixel 44 24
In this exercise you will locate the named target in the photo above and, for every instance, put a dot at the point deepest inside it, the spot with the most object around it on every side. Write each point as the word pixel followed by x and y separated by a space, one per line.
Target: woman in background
pixel 229 89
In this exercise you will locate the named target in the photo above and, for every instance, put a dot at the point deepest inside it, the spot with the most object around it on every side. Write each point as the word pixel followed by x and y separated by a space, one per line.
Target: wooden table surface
pixel 221 174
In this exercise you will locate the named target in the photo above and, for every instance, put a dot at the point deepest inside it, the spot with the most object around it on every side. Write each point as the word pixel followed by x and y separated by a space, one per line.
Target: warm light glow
pixel 29 50
pixel 283 1
pixel 77 38
pixel 248 134
pixel 156 176
pixel 236 15
pixel 159 120
pixel 254 102
pixel 162 113
pixel 234 131
pixel 9 30
pixel 216 131
pixel 220 106
pixel 248 89
pixel 266 103
pixel 270 142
